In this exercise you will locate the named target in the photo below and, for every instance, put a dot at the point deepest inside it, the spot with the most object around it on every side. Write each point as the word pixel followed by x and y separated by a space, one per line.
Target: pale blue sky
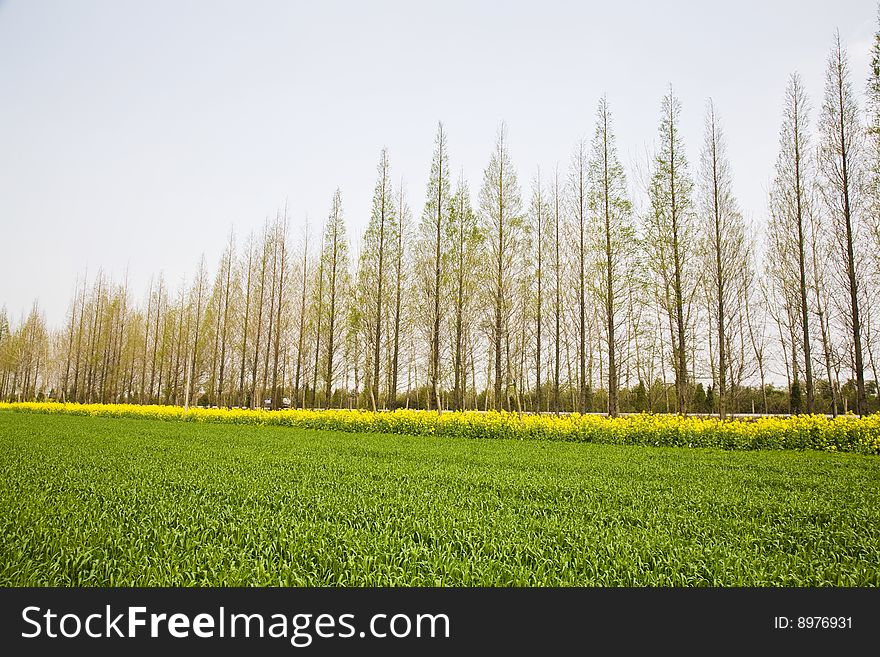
pixel 135 134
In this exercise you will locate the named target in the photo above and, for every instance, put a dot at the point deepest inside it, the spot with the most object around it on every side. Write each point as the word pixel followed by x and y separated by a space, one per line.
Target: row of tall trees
pixel 576 297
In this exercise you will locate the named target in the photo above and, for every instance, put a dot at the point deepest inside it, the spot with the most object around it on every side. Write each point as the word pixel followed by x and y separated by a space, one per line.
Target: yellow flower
pixel 844 433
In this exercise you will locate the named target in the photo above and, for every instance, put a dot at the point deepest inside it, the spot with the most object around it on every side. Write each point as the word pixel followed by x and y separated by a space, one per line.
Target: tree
pixel 821 253
pixel 160 299
pixel 873 149
pixel 558 281
pixel 434 219
pixel 540 216
pixel 756 319
pixel 873 173
pixel 612 241
pixel 336 266
pixel 464 268
pixel 319 313
pixel 790 199
pixel 725 249
pixel 672 235
pixel 272 244
pixel 253 399
pixel 299 401
pixel 281 230
pixel 226 278
pixel 374 257
pixel 75 394
pixel 502 223
pixel 579 215
pixel 841 164
pixel 245 326
pixel 199 292
pixel 399 232
pixel 782 299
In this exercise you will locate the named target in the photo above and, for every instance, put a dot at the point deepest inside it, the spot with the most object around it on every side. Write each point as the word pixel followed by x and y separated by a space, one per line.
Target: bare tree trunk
pixel 719 270
pixel 320 321
pixel 398 275
pixel 580 191
pixel 458 401
pixel 252 398
pixel 302 325
pixel 805 324
pixel 70 331
pixel 337 254
pixel 380 278
pixel 557 308
pixel 195 353
pixel 270 328
pixel 245 328
pixel 282 236
pixel 609 271
pixel 155 343
pixel 79 338
pixel 540 292
pixel 844 157
pixel 225 330
pixel 435 340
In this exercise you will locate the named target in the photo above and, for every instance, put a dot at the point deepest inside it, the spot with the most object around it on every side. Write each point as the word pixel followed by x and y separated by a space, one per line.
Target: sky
pixel 135 135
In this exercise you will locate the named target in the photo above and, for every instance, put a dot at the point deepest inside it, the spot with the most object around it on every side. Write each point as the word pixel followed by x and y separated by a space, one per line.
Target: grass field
pixel 109 501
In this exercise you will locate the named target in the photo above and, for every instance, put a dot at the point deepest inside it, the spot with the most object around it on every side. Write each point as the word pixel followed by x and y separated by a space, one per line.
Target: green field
pixel 95 501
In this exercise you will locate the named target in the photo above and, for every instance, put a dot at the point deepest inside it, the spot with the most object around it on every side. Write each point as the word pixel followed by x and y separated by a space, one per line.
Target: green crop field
pixel 104 501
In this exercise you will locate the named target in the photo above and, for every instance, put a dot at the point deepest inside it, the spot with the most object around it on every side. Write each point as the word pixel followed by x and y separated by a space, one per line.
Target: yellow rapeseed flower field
pixel 844 433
